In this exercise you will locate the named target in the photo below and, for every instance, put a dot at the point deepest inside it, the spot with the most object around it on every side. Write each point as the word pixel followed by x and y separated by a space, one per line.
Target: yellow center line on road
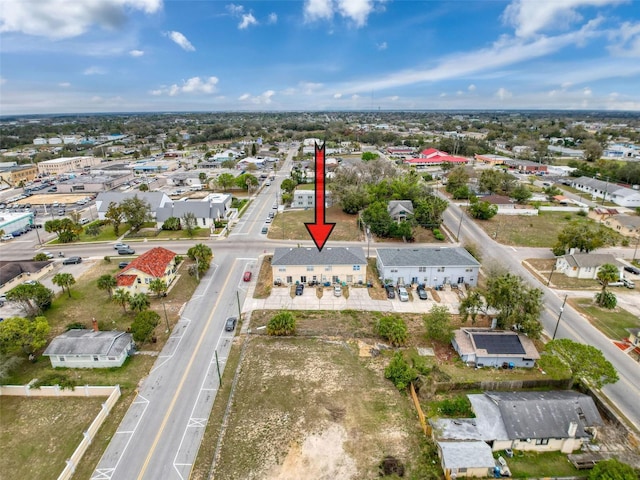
pixel 182 380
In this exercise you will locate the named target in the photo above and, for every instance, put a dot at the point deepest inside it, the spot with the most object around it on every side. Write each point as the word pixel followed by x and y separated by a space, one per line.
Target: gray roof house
pixel 428 265
pixel 207 211
pixel 466 459
pixel 307 264
pixel 155 199
pixel 400 209
pixel 585 265
pixel 89 349
pixel 540 421
pixel 623 196
pixel 492 348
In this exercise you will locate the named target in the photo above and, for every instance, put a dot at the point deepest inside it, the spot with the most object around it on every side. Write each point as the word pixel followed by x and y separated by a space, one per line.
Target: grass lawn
pixel 613 323
pixel 106 233
pixel 346 228
pixel 533 231
pixel 542 267
pixel 538 465
pixel 39 434
pixel 306 408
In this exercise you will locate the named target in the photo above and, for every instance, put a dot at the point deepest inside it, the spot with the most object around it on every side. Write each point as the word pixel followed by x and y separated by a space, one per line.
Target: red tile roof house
pixel 156 263
pixel 431 156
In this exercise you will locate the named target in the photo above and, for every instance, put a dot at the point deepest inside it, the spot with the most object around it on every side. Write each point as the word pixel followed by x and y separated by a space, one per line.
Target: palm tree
pixel 139 302
pixel 202 256
pixel 122 297
pixel 64 280
pixel 606 274
pixel 107 282
pixel 158 286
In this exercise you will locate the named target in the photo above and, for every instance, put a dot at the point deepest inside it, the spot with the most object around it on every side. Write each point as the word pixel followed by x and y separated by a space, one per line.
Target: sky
pixel 84 56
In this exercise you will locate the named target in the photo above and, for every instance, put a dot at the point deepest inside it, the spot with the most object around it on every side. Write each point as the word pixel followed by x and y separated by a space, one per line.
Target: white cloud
pixel 394 98
pixel 64 84
pixel 3 80
pixel 181 40
pixel 471 88
pixel 59 19
pixel 206 85
pixel 529 17
pixel 381 46
pixel 235 9
pixel 355 96
pixel 247 20
pixel 442 95
pixel 262 99
pixel 94 71
pixel 356 11
pixel 272 18
pixel 136 53
pixel 156 93
pixel 503 93
pixel 626 40
pixel 337 95
pixel 587 92
pixel 310 88
pixel 459 93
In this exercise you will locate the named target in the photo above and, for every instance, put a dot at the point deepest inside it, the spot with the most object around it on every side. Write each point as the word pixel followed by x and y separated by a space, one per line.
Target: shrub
pixel 456 407
pixel 143 325
pixel 400 372
pixel 393 329
pixel 74 326
pixel 606 300
pixel 581 213
pixel 438 234
pixel 282 324
pixel 107 259
pixel 55 379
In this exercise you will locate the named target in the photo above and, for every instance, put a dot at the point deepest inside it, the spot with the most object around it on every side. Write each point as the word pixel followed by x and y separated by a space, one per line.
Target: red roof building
pixel 157 263
pixel 432 156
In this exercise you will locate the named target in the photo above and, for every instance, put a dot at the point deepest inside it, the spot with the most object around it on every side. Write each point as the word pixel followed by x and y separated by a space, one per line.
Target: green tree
pixel 115 216
pixel 122 297
pixel 288 185
pixel 158 286
pixel 400 372
pixel 517 303
pixel 40 257
pixel 592 150
pixel 378 219
pixel 282 324
pixel 246 180
pixel 92 230
pixel 587 363
pixel 582 236
pixel 438 324
pixel 428 211
pixel 613 469
pixel 66 229
pixel 28 335
pixel 202 177
pixel 139 302
pixel 225 180
pixel 190 222
pixel 521 194
pixel 471 305
pixel 143 325
pixel 367 156
pixel 202 255
pixel 482 210
pixel 32 298
pixel 353 199
pixel 64 280
pixel 143 187
pixel 107 282
pixel 136 212
pixel 392 328
pixel 458 177
pixel 606 274
pixel 172 223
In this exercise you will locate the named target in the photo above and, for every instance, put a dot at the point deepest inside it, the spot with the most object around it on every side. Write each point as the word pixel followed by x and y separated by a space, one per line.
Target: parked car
pixel 337 291
pixel 30 282
pixel 403 295
pixel 6 237
pixel 268 220
pixel 72 260
pixel 230 324
pixel 422 293
pixel 247 276
pixel 632 269
pixel 126 251
pixel 119 245
pixel 299 289
pixel 264 230
pixel 48 254
pixel 390 291
pixel 123 264
pixel 628 283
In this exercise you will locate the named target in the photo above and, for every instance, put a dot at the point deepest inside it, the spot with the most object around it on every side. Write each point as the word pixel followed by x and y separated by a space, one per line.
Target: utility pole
pixel 460 225
pixel 166 319
pixel 559 317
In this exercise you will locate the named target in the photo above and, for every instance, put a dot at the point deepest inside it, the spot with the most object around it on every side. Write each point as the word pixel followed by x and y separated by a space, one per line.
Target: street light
pixel 559 317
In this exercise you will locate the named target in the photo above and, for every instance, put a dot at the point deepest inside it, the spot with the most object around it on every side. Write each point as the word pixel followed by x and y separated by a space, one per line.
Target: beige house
pixel 331 265
pixel 66 165
pixel 15 174
pixel 585 265
pixel 157 263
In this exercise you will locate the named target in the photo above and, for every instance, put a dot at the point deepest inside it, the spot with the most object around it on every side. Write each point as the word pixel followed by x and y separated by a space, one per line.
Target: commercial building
pixel 14 175
pixel 66 165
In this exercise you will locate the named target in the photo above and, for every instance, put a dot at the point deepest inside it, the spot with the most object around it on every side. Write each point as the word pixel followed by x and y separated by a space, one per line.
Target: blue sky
pixel 77 56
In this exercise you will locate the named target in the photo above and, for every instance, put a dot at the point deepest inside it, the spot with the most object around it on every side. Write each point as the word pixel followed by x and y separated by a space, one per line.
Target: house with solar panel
pixel 481 347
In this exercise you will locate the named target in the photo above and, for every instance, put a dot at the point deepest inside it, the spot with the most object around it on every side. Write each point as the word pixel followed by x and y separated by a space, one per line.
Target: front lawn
pixel 540 465
pixel 292 222
pixel 613 323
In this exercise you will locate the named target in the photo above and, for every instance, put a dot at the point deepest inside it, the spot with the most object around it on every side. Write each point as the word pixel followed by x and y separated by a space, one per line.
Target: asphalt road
pixel 625 394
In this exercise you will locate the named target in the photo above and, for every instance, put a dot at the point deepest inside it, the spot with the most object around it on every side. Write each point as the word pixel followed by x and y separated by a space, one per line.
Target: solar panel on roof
pixel 497 344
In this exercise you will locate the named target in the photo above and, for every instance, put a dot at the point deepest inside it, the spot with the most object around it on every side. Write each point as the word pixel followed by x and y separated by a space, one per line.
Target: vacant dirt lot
pixel 308 408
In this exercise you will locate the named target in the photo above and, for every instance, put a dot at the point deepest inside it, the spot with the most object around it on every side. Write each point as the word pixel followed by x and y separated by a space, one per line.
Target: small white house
pixel 585 265
pixel 89 349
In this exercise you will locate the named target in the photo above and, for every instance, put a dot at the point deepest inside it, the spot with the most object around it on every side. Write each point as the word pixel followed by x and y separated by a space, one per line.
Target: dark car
pixel 123 264
pixel 422 293
pixel 126 251
pixel 72 260
pixel 390 291
pixel 230 324
pixel 632 269
pixel 299 289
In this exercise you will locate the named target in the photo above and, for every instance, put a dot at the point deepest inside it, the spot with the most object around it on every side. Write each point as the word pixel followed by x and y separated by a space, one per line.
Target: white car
pixel 403 295
pixel 48 254
pixel 120 246
pixel 337 291
pixel 6 237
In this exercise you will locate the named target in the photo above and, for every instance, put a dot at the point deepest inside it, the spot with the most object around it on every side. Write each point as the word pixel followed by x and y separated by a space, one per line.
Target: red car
pixel 247 276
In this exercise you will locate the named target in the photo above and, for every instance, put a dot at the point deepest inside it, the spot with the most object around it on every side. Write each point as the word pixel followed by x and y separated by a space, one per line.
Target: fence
pixel 426 428
pixel 113 394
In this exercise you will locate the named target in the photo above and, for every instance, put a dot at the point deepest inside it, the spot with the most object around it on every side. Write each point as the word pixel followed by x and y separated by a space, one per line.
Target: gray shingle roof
pixel 311 256
pixel 89 342
pixel 545 414
pixel 202 209
pixel 155 199
pixel 472 454
pixel 590 259
pixel 424 257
